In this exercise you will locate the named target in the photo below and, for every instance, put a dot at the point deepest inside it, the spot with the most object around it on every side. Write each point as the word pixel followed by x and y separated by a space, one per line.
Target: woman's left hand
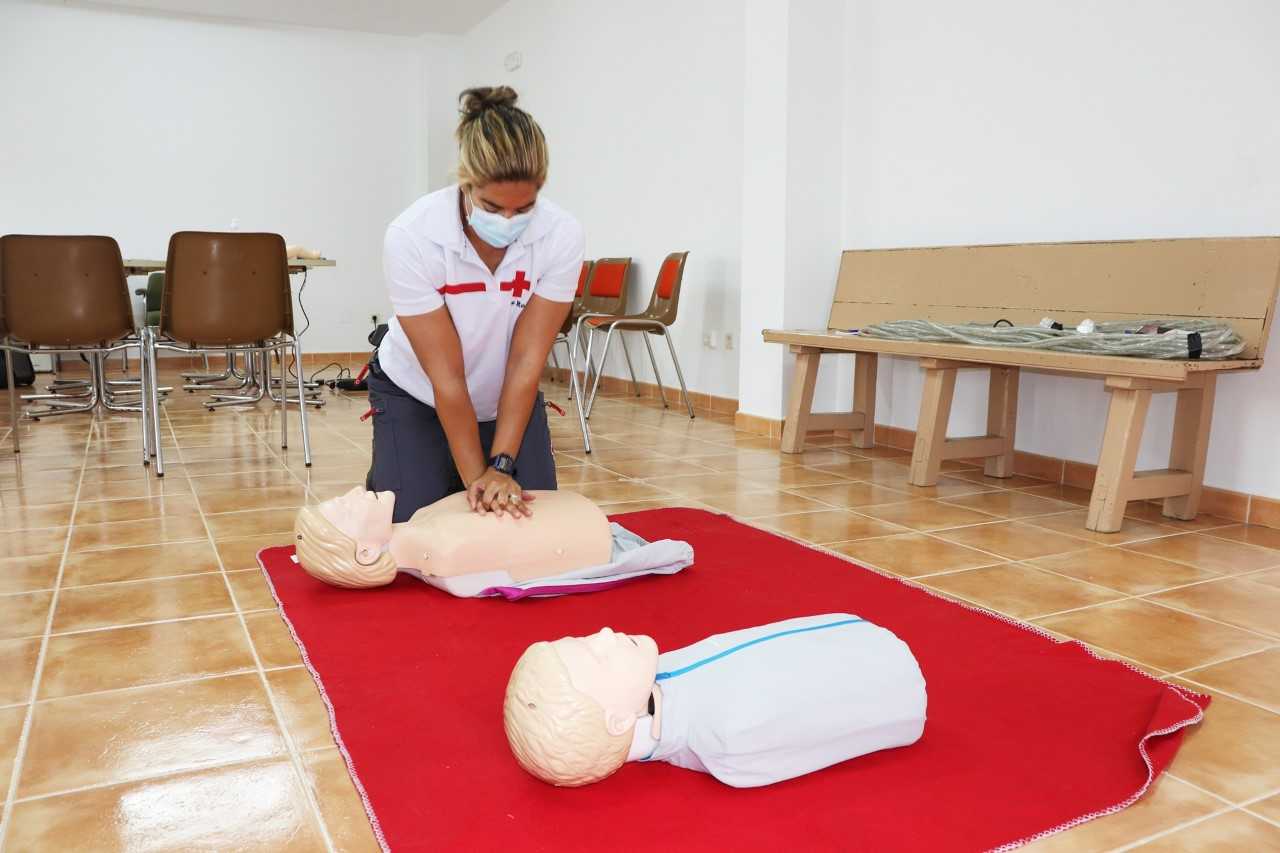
pixel 499 493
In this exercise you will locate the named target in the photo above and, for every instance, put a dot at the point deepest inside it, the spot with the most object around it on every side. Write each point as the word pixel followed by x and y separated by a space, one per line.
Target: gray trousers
pixel 411 451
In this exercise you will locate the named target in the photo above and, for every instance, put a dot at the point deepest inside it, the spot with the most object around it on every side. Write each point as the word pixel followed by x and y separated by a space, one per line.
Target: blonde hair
pixel 557 732
pixel 498 141
pixel 328 554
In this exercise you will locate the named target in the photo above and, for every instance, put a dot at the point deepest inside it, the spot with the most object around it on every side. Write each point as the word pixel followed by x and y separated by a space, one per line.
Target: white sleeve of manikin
pixel 805 694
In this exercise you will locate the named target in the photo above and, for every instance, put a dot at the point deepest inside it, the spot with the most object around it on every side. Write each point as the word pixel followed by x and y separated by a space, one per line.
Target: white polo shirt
pixel 428 262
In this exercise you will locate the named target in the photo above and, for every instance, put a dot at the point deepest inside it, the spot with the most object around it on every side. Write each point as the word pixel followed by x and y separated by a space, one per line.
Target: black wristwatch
pixel 503 464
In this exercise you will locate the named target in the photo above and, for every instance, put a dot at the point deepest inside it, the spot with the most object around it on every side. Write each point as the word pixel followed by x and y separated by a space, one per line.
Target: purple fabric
pixel 514 593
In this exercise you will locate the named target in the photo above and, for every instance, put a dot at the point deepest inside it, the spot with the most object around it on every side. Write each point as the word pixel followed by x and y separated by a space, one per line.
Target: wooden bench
pixel 1233 280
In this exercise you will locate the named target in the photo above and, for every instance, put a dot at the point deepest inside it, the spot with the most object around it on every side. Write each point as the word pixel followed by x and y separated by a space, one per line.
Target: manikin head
pixel 572 705
pixel 343 540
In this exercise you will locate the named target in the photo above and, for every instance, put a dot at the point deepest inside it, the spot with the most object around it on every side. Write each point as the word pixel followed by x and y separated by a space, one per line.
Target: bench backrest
pixel 1232 279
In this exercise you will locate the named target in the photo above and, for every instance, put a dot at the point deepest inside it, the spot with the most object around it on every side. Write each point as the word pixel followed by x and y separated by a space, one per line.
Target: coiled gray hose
pixel 1117 337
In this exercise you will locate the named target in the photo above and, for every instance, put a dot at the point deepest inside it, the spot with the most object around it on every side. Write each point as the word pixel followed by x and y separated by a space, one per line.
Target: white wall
pixel 443 79
pixel 642 107
pixel 1003 121
pixel 138 126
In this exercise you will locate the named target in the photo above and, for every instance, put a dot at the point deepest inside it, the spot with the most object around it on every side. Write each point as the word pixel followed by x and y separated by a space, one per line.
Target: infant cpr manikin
pixel 568 545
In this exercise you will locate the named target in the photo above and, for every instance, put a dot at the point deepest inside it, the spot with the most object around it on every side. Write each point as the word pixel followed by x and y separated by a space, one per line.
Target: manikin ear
pixel 367 553
pixel 619 724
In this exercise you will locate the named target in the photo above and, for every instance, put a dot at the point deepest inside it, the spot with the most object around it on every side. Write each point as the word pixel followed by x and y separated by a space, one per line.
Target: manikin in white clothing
pixel 750 707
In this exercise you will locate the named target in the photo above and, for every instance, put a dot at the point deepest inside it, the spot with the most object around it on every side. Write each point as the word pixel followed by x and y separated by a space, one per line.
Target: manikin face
pixel 365 517
pixel 616 670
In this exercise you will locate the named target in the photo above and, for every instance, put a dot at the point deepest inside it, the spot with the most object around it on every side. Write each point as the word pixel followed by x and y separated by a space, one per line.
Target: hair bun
pixel 476 101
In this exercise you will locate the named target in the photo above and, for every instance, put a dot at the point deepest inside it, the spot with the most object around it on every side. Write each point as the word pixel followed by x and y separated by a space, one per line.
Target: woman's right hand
pixel 499 493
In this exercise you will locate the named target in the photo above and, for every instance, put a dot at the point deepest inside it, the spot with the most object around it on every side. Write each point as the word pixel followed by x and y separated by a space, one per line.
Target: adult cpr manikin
pixel 750 707
pixel 568 545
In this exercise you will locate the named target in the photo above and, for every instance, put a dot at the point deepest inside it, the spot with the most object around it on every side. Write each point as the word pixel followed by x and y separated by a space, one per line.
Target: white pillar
pixel 793 186
pixel 764 205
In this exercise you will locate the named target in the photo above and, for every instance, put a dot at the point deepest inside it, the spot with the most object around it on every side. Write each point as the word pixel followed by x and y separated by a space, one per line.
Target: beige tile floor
pixel 151 699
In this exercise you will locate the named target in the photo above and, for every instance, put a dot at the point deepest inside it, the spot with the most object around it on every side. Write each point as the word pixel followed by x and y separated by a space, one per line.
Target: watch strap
pixel 503 463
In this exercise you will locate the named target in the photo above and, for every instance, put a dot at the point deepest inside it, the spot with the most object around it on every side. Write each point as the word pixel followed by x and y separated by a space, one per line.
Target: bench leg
pixel 1002 418
pixel 931 431
pixel 799 407
pixel 1126 417
pixel 1191 422
pixel 864 397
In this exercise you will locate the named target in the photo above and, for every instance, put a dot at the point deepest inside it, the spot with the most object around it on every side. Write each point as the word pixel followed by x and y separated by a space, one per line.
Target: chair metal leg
pixel 662 392
pixel 684 392
pixel 589 367
pixel 155 400
pixel 145 401
pixel 575 344
pixel 13 397
pixel 622 341
pixel 284 399
pixel 604 357
pixel 199 380
pixel 302 403
pixel 586 360
pixel 575 394
pixel 252 379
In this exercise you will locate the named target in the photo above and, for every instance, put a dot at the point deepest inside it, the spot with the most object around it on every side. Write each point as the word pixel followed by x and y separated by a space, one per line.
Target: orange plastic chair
pixel 655 319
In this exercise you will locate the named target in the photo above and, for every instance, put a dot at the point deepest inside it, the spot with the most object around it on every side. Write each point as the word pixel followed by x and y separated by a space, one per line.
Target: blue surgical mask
pixel 494 228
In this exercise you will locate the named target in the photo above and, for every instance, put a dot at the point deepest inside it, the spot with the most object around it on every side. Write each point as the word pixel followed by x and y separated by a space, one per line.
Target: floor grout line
pixel 24 736
pixel 1182 673
pixel 166 774
pixel 1237 697
pixel 291 748
pixel 1171 830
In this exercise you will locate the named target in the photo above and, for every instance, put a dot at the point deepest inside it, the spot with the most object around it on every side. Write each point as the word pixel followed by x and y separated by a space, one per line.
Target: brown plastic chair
pixel 562 337
pixel 656 319
pixel 605 296
pixel 66 294
pixel 230 292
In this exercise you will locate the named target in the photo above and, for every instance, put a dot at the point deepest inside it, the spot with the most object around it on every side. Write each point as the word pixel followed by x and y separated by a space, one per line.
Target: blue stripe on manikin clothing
pixel 663 676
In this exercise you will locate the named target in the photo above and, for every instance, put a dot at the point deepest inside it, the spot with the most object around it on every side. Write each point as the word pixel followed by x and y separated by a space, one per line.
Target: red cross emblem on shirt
pixel 517 285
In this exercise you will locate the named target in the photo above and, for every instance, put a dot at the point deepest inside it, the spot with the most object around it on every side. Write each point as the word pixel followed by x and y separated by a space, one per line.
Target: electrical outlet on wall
pixel 728 340
pixel 710 340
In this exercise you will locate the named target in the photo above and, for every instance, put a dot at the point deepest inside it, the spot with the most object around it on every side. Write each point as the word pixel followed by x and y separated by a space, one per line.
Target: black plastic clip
pixel 1194 345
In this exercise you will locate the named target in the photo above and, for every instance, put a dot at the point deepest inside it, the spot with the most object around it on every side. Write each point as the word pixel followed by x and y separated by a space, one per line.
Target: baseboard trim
pixel 649 390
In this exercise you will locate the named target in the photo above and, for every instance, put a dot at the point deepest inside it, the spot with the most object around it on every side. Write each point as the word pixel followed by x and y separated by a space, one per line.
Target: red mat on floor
pixel 1024 735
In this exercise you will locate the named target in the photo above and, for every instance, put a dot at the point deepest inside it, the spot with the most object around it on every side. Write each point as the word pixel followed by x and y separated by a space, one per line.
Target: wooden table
pixel 143 266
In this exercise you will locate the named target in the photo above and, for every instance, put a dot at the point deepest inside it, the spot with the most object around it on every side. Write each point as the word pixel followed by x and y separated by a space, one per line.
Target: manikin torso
pixel 447 538
pixel 764 704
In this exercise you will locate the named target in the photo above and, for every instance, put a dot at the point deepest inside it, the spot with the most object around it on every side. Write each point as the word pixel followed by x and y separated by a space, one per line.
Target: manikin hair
pixel 328 554
pixel 556 731
pixel 498 141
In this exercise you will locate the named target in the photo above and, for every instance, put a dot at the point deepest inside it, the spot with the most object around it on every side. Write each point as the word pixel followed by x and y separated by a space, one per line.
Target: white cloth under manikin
pixel 769 703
